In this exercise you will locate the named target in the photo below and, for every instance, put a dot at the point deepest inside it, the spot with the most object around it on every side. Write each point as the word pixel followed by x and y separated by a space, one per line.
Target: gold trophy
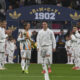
pixel 32 42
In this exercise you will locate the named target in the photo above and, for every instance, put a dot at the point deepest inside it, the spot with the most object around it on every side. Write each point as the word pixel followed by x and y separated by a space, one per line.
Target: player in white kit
pixel 3 35
pixel 46 43
pixel 76 45
pixel 69 50
pixel 10 48
pixel 25 47
pixel 77 35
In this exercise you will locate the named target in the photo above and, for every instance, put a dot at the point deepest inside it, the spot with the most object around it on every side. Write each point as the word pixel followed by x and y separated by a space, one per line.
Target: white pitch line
pixel 46 74
pixel 24 76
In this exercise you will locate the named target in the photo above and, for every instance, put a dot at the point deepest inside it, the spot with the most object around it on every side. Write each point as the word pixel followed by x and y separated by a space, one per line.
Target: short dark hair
pixel 25 24
pixel 45 22
pixel 10 38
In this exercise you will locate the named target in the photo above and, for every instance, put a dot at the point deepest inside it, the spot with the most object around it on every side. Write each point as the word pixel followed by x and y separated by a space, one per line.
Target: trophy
pixel 31 41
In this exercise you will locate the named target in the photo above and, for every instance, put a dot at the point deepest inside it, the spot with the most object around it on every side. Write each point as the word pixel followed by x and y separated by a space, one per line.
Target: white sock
pixel 1 60
pixel 68 59
pixel 5 59
pixel 43 64
pixel 72 59
pixel 48 60
pixel 23 64
pixel 76 65
pixel 27 64
pixel 0 63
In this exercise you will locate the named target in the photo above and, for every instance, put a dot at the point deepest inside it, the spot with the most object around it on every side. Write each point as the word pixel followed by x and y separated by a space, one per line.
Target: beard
pixel 73 32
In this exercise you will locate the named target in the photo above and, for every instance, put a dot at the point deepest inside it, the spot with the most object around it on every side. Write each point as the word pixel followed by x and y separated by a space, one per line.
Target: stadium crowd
pixel 75 4
pixel 12 4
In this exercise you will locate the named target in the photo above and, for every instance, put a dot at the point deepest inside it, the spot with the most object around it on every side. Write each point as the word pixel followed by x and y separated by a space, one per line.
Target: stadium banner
pixel 43 12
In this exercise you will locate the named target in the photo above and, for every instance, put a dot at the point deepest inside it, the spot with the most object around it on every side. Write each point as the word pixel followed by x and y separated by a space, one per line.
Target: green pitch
pixel 59 72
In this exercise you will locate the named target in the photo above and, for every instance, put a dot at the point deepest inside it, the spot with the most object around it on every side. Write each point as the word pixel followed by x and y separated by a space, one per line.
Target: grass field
pixel 59 72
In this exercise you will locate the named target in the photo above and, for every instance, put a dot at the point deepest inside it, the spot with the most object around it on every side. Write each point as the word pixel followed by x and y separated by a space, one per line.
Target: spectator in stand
pixel 34 36
pixel 61 36
pixel 59 4
pixel 10 7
